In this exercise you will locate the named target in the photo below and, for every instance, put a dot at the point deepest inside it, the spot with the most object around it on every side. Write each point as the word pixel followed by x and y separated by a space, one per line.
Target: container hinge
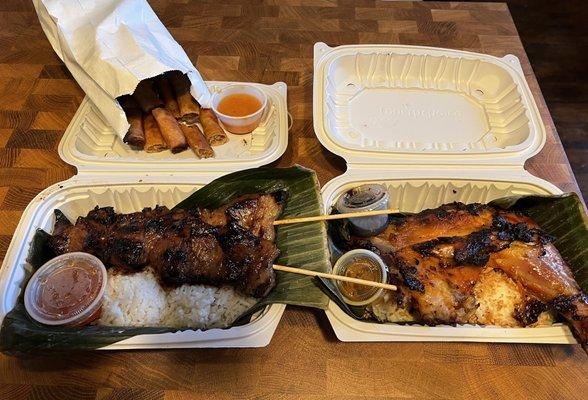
pixel 517 168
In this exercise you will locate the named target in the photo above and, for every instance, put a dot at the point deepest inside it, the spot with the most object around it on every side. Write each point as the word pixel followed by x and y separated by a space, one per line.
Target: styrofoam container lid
pixel 92 146
pixel 392 104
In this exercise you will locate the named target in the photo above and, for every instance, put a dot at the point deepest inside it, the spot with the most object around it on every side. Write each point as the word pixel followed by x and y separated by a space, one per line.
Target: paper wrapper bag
pixel 109 46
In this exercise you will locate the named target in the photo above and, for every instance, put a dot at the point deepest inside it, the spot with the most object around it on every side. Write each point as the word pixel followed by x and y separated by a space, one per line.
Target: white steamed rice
pixel 139 300
pixel 495 300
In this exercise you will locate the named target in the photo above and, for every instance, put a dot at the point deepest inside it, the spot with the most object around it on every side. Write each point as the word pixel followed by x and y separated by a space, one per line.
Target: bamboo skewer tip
pixel 307 272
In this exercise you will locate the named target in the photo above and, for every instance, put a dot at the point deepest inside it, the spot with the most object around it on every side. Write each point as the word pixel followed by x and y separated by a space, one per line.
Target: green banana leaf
pixel 562 216
pixel 299 244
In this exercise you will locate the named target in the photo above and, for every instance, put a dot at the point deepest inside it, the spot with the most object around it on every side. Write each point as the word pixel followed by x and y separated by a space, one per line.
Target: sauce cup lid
pixel 66 266
pixel 353 256
pixel 366 197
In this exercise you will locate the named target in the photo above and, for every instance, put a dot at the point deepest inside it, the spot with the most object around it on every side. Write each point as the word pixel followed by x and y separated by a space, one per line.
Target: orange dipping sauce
pixel 239 105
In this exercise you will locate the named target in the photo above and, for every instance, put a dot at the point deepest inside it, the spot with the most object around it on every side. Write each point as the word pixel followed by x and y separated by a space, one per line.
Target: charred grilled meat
pixel 232 245
pixel 476 264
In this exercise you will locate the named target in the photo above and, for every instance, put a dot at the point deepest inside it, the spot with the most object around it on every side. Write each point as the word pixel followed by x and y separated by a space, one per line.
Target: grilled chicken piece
pixel 230 245
pixel 449 220
pixel 476 264
pixel 455 219
pixel 540 269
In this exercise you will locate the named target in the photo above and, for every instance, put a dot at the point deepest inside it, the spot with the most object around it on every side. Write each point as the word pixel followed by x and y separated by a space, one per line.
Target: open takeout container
pixel 92 145
pixel 110 174
pixel 434 126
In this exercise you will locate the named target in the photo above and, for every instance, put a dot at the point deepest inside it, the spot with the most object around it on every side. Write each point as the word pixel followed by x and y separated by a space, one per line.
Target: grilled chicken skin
pixel 233 244
pixel 476 264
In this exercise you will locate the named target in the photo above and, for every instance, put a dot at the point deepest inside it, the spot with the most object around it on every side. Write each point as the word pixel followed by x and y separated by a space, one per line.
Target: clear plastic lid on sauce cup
pixel 369 197
pixel 66 290
pixel 246 123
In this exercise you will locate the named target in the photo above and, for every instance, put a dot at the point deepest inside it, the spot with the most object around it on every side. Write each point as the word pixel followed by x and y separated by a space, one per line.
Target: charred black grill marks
pixel 179 245
pixel 476 248
pixel 445 210
pixel 529 313
pixel 567 305
pixel 426 249
pixel 399 270
pixel 519 231
pixel 410 276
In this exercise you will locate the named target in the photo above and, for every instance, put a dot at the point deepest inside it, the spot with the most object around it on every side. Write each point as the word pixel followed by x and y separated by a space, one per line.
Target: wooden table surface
pixel 265 42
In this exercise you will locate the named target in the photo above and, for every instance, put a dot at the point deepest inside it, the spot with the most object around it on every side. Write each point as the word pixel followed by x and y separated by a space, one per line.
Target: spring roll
pixel 170 130
pixel 166 94
pixel 197 141
pixel 212 131
pixel 146 96
pixel 135 136
pixel 189 108
pixel 154 142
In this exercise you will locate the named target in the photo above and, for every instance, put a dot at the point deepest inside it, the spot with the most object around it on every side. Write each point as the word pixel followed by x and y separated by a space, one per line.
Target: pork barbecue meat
pixel 234 244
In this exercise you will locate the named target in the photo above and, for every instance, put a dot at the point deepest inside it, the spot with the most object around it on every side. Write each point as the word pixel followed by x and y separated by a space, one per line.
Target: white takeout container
pixel 434 126
pixel 91 145
pixel 110 174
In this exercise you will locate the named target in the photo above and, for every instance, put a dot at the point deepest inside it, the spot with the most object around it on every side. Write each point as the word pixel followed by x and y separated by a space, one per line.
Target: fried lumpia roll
pixel 212 130
pixel 170 130
pixel 166 94
pixel 189 108
pixel 146 96
pixel 135 136
pixel 197 141
pixel 154 142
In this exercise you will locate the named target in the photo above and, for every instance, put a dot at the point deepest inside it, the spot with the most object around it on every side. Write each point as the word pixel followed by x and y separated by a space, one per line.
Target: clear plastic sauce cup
pixel 362 264
pixel 67 290
pixel 370 197
pixel 241 124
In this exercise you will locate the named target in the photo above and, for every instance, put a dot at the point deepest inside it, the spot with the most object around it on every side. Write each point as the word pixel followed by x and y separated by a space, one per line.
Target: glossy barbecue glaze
pixel 441 259
pixel 230 245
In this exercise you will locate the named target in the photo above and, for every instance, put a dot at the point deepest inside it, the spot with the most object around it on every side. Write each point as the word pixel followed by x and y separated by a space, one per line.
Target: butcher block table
pixel 268 41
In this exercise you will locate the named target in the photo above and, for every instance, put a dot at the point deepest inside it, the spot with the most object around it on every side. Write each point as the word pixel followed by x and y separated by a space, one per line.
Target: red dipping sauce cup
pixel 67 290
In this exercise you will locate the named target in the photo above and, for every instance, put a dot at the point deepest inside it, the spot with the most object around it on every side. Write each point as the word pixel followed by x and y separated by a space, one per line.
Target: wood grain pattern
pixel 267 41
pixel 555 46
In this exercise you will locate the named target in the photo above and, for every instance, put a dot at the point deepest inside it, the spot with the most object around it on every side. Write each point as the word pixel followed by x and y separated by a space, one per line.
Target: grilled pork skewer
pixel 230 245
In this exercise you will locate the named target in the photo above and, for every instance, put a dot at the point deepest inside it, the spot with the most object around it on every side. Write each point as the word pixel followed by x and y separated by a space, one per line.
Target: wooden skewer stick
pixel 335 216
pixel 333 276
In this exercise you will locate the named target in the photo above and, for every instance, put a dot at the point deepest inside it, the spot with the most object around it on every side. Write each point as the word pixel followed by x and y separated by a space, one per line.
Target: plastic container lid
pixel 412 105
pixel 93 147
pixel 66 290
